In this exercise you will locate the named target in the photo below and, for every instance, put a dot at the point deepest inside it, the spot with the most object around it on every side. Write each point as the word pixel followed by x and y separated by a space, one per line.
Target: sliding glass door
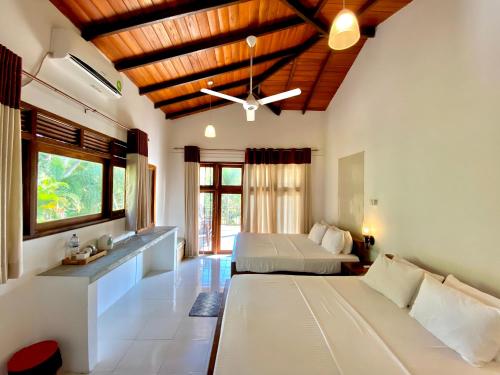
pixel 220 207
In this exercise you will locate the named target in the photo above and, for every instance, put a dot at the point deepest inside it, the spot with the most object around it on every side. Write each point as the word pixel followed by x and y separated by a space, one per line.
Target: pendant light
pixel 210 129
pixel 344 32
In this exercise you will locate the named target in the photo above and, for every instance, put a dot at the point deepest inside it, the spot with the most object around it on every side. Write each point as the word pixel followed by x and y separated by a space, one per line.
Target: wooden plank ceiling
pixel 171 48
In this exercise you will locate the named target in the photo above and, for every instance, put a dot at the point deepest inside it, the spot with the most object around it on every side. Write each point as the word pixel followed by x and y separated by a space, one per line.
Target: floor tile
pixel 148 331
pixel 111 351
pixel 144 356
pixel 196 328
pixel 185 356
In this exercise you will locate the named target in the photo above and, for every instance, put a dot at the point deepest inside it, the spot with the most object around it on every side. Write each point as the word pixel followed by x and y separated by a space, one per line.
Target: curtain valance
pixel 278 156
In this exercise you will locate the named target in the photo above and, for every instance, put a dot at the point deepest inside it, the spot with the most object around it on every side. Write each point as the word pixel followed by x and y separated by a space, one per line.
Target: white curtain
pixel 191 197
pixel 11 205
pixel 277 198
pixel 137 195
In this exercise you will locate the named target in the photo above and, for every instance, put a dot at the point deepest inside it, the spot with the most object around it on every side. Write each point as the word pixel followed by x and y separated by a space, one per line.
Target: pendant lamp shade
pixel 344 32
pixel 210 131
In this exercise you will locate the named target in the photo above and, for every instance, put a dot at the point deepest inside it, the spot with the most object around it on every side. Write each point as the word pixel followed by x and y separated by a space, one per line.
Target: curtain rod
pixel 67 96
pixel 234 149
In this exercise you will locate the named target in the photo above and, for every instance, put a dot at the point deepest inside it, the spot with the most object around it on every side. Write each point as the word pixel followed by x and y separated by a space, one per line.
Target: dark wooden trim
pixel 203 107
pixel 141 18
pixel 256 82
pixel 68 228
pixel 204 44
pixel 216 71
pixel 363 8
pixel 235 272
pixel 319 7
pixel 272 107
pixel 218 328
pixel 308 15
pixel 324 63
pixel 32 144
pixel 199 94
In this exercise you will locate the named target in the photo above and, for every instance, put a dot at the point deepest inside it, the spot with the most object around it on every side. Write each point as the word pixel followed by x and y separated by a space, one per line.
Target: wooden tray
pixel 82 262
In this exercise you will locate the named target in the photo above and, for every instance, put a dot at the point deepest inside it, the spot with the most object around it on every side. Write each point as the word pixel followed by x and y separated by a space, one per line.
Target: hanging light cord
pixel 251 66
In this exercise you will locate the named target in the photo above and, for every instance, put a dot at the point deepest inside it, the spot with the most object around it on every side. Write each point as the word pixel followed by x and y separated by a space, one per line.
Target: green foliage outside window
pixel 67 187
pixel 231 176
pixel 231 209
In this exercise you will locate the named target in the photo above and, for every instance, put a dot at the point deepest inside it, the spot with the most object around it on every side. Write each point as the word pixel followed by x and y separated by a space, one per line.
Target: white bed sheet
pixel 265 253
pixel 281 324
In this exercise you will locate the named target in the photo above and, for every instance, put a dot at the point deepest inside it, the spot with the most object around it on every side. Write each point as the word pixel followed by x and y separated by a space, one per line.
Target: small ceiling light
pixel 210 83
pixel 210 131
pixel 344 32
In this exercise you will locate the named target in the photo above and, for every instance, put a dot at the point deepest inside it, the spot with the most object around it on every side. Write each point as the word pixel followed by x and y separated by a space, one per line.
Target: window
pixel 67 188
pixel 118 188
pixel 72 176
pixel 220 206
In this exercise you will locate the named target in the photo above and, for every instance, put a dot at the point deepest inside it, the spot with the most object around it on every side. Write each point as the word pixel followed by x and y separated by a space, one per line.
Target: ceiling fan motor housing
pixel 251 104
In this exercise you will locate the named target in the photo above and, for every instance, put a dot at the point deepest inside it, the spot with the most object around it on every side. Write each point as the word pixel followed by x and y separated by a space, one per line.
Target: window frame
pixel 33 143
pixel 217 189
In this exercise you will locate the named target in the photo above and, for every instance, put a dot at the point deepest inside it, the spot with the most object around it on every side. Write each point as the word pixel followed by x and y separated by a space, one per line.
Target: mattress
pixel 265 253
pixel 285 324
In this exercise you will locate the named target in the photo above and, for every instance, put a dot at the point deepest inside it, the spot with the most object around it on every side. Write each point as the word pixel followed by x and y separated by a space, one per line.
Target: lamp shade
pixel 210 131
pixel 344 32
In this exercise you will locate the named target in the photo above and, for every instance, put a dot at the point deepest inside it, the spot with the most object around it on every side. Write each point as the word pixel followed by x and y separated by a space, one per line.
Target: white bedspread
pixel 264 253
pixel 280 324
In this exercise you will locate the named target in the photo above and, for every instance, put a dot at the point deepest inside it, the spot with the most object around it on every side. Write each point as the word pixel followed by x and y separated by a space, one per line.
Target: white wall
pixel 422 101
pixel 25 27
pixel 291 129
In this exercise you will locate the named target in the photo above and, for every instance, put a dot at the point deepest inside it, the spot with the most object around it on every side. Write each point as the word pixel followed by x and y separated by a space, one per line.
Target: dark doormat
pixel 206 305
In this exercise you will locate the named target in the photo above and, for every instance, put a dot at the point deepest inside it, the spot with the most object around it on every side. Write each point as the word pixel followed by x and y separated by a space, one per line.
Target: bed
pixel 287 253
pixel 286 324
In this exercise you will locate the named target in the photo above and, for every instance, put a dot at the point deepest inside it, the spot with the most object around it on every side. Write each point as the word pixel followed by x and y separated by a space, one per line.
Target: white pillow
pixel 347 237
pixel 464 324
pixel 347 242
pixel 395 280
pixel 485 298
pixel 317 232
pixel 436 276
pixel 333 241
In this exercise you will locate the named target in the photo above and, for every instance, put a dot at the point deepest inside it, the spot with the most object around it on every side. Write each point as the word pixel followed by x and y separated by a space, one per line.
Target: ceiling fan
pixel 251 104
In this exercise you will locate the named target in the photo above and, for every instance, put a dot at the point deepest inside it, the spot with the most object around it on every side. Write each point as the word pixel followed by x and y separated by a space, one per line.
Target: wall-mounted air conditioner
pixel 82 60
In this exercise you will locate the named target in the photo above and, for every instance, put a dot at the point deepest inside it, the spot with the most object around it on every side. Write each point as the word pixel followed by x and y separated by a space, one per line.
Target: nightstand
pixel 354 268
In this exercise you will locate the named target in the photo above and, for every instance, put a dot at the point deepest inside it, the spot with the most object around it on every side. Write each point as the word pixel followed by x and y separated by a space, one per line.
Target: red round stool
pixel 43 358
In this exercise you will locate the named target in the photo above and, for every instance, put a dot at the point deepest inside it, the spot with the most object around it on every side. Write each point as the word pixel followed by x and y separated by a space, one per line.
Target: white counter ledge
pixel 121 252
pixel 71 298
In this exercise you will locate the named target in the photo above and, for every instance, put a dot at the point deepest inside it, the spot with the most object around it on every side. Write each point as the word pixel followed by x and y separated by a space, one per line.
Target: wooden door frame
pixel 217 189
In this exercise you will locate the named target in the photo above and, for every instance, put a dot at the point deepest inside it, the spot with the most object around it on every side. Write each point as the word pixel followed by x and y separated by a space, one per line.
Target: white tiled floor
pixel 148 331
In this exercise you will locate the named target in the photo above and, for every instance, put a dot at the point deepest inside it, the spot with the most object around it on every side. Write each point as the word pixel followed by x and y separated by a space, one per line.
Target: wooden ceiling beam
pixel 256 80
pixel 309 16
pixel 316 81
pixel 200 108
pixel 142 18
pixel 363 8
pixel 204 44
pixel 215 72
pixel 290 77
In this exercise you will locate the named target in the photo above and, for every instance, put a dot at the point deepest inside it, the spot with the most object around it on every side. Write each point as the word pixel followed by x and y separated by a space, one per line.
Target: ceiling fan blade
pixel 280 96
pixel 250 114
pixel 223 96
